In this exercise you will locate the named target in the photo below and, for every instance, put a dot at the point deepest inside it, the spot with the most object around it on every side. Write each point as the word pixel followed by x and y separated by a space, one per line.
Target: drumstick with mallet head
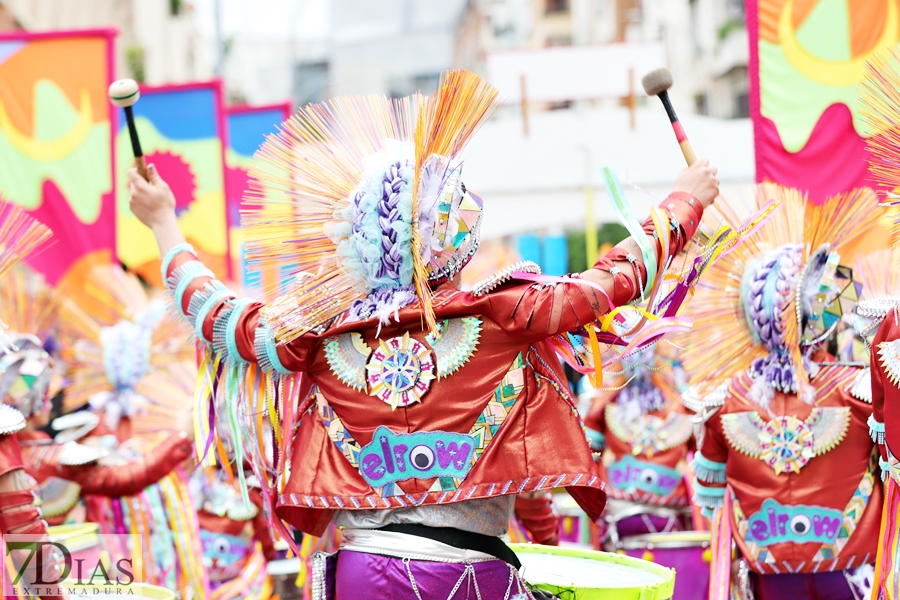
pixel 657 83
pixel 124 93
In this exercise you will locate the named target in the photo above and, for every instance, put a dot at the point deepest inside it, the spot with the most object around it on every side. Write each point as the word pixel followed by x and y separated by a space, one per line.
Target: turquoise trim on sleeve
pixel 231 328
pixel 704 462
pixel 876 429
pixel 272 353
pixel 186 279
pixel 709 492
pixel 707 470
pixel 170 256
pixel 207 307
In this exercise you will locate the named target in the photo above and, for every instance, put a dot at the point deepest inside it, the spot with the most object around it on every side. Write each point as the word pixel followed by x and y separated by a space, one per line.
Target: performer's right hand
pixel 154 204
pixel 699 180
pixel 151 201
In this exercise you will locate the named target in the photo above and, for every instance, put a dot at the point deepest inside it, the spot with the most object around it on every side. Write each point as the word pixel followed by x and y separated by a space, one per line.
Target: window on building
pixel 742 105
pixel 556 6
pixel 701 104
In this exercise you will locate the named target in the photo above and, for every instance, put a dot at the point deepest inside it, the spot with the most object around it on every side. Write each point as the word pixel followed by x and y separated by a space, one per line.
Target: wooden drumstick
pixel 124 93
pixel 657 83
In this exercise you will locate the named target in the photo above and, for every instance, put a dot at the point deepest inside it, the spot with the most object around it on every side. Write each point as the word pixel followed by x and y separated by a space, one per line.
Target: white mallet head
pixel 656 82
pixel 124 92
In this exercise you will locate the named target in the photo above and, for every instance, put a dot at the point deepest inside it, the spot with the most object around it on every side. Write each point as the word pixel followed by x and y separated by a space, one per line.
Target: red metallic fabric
pixel 541 443
pixel 828 480
pixel 538 516
pixel 886 395
pixel 10 454
pixel 106 480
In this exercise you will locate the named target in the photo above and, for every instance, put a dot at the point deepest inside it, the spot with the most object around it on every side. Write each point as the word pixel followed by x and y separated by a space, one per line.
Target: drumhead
pixel 289 566
pixel 600 575
pixel 76 537
pixel 672 539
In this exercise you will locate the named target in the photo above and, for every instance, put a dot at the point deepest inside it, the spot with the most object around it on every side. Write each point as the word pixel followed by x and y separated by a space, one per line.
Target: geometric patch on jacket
pixel 787 443
pixel 802 526
pixel 648 434
pixel 486 426
pixel 889 358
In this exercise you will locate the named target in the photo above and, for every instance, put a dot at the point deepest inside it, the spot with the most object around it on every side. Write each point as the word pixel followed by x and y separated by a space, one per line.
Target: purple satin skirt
pixel 811 586
pixel 352 575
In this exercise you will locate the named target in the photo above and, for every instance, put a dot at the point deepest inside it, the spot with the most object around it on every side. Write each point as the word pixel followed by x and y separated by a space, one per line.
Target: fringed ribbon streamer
pixel 887 560
pixel 631 223
pixel 720 566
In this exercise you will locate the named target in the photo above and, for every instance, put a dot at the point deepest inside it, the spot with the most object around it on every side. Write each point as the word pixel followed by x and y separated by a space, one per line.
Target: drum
pixel 83 543
pixel 577 574
pixel 687 552
pixel 574 525
pixel 625 519
pixel 284 577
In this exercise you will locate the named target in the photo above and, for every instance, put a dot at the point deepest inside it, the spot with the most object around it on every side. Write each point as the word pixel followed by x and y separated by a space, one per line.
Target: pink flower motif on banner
pixel 178 175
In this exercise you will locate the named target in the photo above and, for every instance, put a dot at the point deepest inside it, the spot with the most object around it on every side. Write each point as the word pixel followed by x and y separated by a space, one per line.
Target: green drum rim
pixel 134 590
pixel 658 591
pixel 76 537
pixel 673 539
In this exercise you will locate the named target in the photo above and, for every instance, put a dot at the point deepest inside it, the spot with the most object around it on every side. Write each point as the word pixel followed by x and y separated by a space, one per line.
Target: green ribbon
pixel 632 224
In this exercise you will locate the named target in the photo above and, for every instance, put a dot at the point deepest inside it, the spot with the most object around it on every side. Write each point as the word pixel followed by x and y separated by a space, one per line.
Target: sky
pixel 308 20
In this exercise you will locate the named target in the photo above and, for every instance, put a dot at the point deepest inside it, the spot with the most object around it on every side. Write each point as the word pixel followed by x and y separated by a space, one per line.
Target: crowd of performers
pixel 727 408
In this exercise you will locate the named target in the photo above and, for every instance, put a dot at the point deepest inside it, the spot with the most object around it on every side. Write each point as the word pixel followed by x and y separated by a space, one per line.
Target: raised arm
pixel 536 313
pixel 231 324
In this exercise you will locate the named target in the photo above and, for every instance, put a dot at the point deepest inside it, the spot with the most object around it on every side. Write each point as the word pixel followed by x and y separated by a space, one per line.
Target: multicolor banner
pixel 56 126
pixel 182 128
pixel 806 59
pixel 247 128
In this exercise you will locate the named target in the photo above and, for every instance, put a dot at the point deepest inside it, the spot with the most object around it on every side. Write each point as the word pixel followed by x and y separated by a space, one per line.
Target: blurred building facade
pixel 705 40
pixel 157 41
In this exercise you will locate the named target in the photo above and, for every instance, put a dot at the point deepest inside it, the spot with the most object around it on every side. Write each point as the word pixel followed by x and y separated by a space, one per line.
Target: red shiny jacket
pixel 509 395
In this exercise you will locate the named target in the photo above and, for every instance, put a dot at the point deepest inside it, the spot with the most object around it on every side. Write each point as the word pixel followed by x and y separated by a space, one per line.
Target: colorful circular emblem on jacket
pixel 400 371
pixel 787 444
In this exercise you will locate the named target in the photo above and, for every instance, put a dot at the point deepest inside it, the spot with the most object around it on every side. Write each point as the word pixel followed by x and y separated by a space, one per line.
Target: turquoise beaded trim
pixel 170 256
pixel 231 328
pixel 709 492
pixel 708 470
pixel 885 468
pixel 204 311
pixel 191 271
pixel 272 353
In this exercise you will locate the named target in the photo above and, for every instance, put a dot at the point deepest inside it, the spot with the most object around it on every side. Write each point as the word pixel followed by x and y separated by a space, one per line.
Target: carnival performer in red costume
pixel 130 363
pixel 63 472
pixel 425 409
pixel 644 433
pixel 881 113
pixel 20 235
pixel 237 540
pixel 785 460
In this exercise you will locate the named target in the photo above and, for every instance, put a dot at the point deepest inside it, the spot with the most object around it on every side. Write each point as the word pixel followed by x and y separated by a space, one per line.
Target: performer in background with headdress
pixel 20 235
pixel 66 470
pixel 785 460
pixel 431 407
pixel 880 109
pixel 131 365
pixel 645 431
